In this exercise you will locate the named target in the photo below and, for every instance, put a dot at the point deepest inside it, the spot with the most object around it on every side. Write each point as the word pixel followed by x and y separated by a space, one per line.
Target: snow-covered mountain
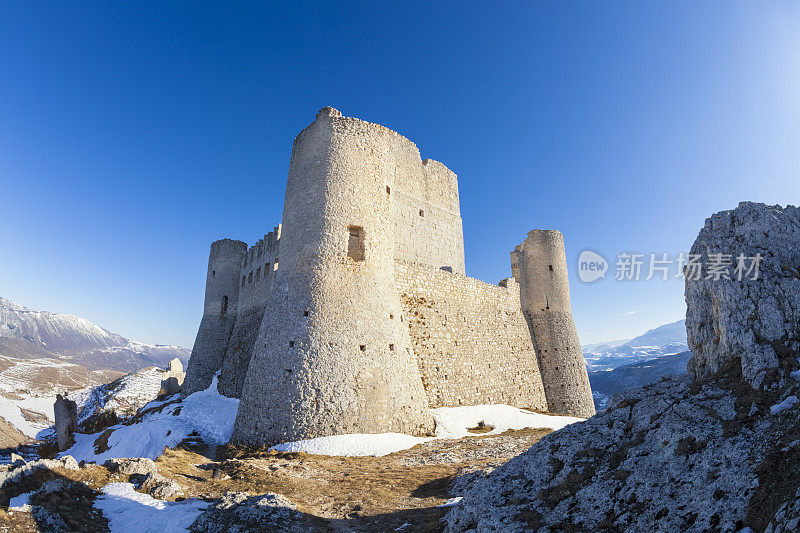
pixel 664 340
pixel 25 333
pixel 43 354
pixel 607 383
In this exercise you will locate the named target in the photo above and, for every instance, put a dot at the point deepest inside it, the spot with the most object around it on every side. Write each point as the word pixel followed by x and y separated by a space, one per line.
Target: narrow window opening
pixel 363 347
pixel 391 347
pixel 266 269
pixel 421 213
pixel 224 308
pixel 250 277
pixel 388 190
pixel 305 313
pixel 258 273
pixel 244 278
pixel 213 273
pixel 551 267
pixel 355 243
pixel 291 344
pixel 391 316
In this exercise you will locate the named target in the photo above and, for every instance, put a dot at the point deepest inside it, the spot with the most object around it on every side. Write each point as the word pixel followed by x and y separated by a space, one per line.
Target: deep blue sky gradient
pixel 131 136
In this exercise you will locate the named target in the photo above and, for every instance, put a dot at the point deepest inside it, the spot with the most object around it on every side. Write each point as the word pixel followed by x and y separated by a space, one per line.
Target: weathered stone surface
pixel 658 457
pixel 161 487
pixel 66 421
pixel 752 323
pixel 127 467
pixel 24 470
pixel 237 511
pixel 368 318
pixel 705 455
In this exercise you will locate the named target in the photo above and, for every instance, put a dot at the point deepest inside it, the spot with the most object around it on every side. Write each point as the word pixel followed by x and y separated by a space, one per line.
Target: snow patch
pixel 206 413
pixel 451 423
pixel 788 403
pixel 451 502
pixel 454 422
pixel 354 444
pixel 131 511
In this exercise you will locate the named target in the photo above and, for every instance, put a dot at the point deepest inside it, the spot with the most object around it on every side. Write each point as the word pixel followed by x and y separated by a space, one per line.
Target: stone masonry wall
pixel 331 356
pixel 258 271
pixel 470 339
pixel 427 220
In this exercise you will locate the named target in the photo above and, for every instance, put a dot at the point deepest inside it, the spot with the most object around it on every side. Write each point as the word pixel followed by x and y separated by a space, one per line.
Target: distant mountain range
pixel 663 340
pixel 607 383
pixel 616 366
pixel 42 354
pixel 25 334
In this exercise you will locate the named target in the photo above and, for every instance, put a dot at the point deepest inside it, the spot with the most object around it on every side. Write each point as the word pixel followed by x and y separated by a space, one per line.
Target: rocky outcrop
pixel 704 452
pixel 66 415
pixel 161 487
pixel 237 511
pixel 665 454
pixel 752 323
pixel 127 467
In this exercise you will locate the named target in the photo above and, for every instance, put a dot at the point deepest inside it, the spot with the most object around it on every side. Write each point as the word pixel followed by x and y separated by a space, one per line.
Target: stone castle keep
pixel 355 314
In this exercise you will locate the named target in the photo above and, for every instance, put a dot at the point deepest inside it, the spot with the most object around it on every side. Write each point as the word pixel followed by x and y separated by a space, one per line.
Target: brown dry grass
pixel 362 494
pixel 355 493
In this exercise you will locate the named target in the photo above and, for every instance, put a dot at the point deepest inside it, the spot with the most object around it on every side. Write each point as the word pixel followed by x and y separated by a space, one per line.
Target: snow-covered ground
pixel 211 416
pixel 206 413
pixel 125 396
pixel 32 384
pixel 129 511
pixel 451 423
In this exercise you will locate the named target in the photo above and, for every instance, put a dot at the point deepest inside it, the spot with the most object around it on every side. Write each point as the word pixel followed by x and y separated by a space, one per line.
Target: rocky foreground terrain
pixel 717 450
pixel 258 490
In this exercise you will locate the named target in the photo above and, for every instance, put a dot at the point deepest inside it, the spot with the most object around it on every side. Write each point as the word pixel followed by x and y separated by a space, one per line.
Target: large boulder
pixel 733 319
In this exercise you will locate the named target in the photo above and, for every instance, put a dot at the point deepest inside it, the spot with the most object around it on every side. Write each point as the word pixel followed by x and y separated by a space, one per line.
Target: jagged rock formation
pixel 709 454
pixel 368 319
pixel 754 323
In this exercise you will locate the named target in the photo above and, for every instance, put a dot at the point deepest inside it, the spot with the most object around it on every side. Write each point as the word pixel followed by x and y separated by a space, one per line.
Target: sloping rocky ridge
pixel 714 454
pixel 671 456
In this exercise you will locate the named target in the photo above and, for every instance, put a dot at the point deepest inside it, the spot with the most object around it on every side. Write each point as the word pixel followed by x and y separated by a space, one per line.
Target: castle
pixel 355 314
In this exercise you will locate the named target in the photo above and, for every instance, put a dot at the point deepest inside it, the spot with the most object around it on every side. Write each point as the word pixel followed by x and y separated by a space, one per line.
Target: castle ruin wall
pixel 470 338
pixel 332 357
pixel 219 314
pixel 541 265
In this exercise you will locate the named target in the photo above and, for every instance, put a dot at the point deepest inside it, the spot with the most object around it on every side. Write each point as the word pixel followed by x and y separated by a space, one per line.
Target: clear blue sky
pixel 131 136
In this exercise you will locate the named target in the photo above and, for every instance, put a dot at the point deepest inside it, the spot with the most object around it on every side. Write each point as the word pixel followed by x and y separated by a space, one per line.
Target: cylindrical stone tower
pixel 544 286
pixel 333 356
pixel 219 314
